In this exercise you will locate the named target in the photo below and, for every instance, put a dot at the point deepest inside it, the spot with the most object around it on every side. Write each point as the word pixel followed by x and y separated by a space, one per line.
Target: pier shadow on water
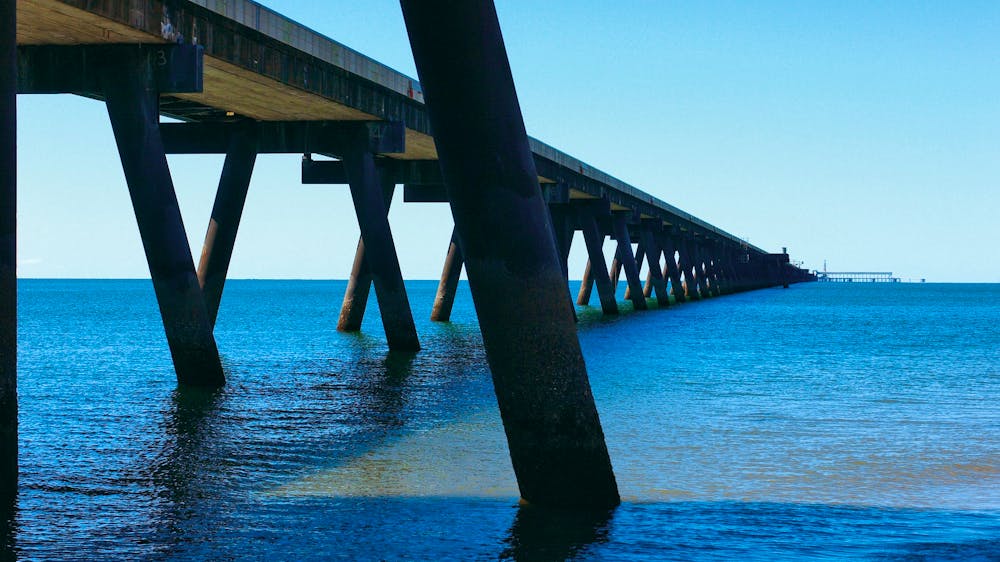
pixel 551 534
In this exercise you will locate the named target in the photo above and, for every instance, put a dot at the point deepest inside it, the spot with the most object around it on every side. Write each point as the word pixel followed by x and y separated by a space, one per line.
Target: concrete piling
pixel 627 259
pixel 230 198
pixel 445 298
pixel 597 266
pixel 133 106
pixel 553 430
pixel 368 194
pixel 8 252
pixel 359 284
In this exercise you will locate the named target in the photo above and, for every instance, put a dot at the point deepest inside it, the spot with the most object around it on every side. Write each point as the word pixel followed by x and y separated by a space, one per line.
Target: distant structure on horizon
pixel 855 276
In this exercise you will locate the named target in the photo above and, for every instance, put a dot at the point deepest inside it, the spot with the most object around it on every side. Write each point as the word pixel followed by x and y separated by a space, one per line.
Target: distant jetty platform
pixel 856 277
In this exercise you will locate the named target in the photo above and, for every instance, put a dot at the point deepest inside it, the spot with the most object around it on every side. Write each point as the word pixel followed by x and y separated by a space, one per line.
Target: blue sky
pixel 866 134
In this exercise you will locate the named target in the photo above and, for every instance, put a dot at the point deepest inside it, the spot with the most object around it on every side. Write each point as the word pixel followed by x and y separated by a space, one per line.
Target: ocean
pixel 824 421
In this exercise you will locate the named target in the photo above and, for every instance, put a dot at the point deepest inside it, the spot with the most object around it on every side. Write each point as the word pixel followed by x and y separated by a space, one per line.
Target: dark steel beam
pixel 380 251
pixel 445 298
pixel 8 255
pixel 132 100
pixel 553 430
pixel 217 251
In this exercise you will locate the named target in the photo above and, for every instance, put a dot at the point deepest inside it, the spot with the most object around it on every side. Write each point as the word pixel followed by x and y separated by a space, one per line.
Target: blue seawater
pixel 819 422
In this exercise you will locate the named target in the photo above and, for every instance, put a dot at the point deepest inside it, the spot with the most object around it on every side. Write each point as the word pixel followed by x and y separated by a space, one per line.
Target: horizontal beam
pixel 77 69
pixel 424 172
pixel 285 137
pixel 420 193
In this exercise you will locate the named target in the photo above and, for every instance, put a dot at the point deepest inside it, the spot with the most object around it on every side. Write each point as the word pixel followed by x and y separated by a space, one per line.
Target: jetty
pixel 243 80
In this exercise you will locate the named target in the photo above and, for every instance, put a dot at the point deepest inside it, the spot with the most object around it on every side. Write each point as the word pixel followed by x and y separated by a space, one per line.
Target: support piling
pixel 445 298
pixel 597 266
pixel 368 193
pixel 670 267
pixel 359 284
pixel 640 255
pixel 627 261
pixel 133 106
pixel 217 251
pixel 553 430
pixel 586 284
pixel 8 252
pixel 655 275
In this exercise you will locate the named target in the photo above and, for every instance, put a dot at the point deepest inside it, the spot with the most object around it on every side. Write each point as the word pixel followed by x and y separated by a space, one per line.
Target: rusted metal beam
pixel 132 100
pixel 553 430
pixel 445 298
pixel 586 285
pixel 230 198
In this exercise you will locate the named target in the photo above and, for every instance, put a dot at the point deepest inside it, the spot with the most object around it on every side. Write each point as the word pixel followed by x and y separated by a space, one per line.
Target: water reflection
pixel 549 534
pixel 382 393
pixel 179 474
pixel 8 525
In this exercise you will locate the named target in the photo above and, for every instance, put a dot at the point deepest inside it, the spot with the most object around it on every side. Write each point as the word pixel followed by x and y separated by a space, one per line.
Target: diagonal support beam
pixel 656 276
pixel 598 266
pixel 686 264
pixel 445 298
pixel 553 430
pixel 217 251
pixel 627 259
pixel 379 248
pixel 586 285
pixel 640 257
pixel 563 228
pixel 671 269
pixel 132 100
pixel 701 274
pixel 359 284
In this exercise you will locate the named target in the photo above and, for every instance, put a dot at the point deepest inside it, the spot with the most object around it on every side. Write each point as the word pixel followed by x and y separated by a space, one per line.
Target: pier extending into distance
pixel 856 277
pixel 245 81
